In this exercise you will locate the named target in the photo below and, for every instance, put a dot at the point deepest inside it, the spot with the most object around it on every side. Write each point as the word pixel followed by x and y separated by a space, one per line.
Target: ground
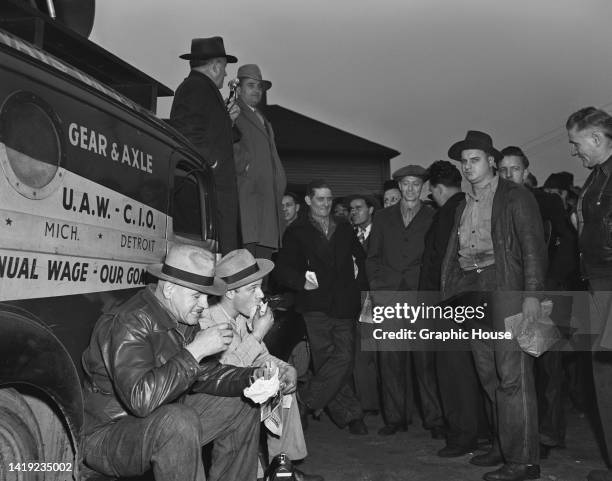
pixel 339 456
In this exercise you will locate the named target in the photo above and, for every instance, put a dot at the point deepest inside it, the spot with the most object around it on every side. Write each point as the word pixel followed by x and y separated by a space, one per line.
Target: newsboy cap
pixel 410 170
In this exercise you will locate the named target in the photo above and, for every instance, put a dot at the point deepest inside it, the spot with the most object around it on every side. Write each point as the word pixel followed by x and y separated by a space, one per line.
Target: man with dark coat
pixel 199 112
pixel 395 250
pixel 562 256
pixel 497 247
pixel 589 132
pixel 457 381
pixel 261 176
pixel 317 261
pixel 154 397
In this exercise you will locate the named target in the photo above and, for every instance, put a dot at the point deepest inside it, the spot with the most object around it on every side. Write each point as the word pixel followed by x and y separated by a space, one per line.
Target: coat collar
pixel 201 76
pixel 251 116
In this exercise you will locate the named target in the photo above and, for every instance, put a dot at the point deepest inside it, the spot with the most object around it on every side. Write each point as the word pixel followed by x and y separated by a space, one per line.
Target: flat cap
pixel 411 170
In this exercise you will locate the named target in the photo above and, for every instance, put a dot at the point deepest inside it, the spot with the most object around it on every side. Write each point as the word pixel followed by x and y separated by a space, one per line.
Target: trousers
pixel 332 347
pixel 169 441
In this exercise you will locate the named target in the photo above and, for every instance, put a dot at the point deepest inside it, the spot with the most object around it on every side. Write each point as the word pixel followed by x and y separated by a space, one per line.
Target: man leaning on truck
pixel 149 401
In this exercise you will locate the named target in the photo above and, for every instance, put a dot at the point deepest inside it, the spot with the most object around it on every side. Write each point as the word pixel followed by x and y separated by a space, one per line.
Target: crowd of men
pixel 166 371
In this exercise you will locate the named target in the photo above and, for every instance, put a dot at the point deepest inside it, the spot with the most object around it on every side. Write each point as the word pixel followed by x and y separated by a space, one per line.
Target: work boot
pixel 390 429
pixel 455 451
pixel 491 458
pixel 357 426
pixel 514 472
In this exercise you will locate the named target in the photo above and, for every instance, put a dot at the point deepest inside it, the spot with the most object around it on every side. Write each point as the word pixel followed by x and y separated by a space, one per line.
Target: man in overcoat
pixel 199 112
pixel 261 176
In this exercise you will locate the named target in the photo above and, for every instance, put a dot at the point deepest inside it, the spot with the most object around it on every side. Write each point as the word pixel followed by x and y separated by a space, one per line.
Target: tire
pixel 20 438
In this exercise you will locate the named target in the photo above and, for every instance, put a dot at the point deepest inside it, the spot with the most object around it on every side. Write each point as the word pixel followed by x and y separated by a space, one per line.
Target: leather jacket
pixel 136 362
pixel 594 211
pixel 518 241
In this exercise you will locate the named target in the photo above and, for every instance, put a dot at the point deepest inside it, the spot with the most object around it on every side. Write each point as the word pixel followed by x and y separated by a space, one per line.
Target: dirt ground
pixel 339 456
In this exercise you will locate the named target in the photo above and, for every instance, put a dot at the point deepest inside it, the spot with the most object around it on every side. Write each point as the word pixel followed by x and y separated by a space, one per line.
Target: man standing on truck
pixel 150 403
pixel 200 113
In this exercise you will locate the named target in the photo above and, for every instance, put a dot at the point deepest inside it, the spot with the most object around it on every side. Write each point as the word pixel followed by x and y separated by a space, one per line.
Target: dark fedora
pixel 191 267
pixel 474 140
pixel 205 48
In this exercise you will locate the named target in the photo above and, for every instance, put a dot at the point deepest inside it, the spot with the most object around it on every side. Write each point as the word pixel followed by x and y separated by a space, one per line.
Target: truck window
pixel 186 208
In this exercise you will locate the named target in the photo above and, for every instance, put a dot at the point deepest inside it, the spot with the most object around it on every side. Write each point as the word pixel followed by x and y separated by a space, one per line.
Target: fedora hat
pixel 410 170
pixel 191 267
pixel 474 140
pixel 205 48
pixel 239 268
pixel 250 70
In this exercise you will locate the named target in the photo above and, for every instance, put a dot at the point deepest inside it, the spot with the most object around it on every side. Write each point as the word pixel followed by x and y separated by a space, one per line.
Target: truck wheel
pixel 20 439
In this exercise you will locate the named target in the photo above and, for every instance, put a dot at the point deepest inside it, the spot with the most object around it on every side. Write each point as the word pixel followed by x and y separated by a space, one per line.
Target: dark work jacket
pixel 518 244
pixel 395 252
pixel 595 222
pixel 436 241
pixel 305 248
pixel 136 361
pixel 561 241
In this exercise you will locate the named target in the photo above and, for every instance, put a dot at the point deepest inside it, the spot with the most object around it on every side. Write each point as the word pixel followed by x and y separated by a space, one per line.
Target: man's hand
pixel 233 109
pixel 531 309
pixel 262 323
pixel 287 376
pixel 312 282
pixel 266 371
pixel 211 340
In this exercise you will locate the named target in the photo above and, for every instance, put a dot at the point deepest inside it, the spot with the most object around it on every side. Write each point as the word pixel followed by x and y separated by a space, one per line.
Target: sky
pixel 413 75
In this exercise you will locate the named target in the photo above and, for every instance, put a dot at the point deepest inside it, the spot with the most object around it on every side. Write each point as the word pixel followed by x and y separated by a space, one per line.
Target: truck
pixel 93 188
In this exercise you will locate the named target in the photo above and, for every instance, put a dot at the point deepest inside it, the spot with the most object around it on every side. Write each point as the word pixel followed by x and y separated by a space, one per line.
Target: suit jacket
pixel 395 251
pixel 305 248
pixel 261 180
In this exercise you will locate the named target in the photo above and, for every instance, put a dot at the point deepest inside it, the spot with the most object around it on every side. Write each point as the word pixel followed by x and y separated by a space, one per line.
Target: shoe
pixel 301 476
pixel 438 432
pixel 491 458
pixel 599 475
pixel 357 426
pixel 390 429
pixel 514 472
pixel 455 451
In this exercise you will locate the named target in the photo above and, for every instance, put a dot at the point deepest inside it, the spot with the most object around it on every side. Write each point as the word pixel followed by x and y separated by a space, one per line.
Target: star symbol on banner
pixel 99 236
pixel 9 221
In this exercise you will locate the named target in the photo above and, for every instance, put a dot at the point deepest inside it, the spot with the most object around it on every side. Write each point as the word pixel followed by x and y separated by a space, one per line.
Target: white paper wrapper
pixel 263 389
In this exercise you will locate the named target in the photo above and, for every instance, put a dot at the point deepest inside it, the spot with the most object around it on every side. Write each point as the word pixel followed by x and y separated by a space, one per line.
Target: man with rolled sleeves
pixel 395 249
pixel 497 248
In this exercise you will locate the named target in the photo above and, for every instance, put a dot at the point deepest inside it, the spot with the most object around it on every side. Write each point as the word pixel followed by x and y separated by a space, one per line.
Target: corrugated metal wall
pixel 346 176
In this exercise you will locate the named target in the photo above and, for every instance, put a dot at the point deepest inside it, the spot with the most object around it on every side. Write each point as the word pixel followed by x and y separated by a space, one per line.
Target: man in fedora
pixel 241 306
pixel 261 176
pixel 153 395
pixel 199 112
pixel 395 250
pixel 497 247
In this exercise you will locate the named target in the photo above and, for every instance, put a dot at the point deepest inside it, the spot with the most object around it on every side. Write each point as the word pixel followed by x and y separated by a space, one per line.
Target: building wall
pixel 345 175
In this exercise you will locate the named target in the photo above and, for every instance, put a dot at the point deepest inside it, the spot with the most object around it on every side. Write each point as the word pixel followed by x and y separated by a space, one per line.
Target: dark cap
pixel 410 170
pixel 559 180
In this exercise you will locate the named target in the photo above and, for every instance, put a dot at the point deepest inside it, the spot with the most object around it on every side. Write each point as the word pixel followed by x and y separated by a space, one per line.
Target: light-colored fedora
pixel 251 70
pixel 239 268
pixel 191 267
